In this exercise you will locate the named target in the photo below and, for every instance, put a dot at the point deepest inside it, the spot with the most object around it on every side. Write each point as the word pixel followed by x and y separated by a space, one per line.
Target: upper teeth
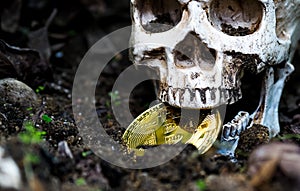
pixel 208 97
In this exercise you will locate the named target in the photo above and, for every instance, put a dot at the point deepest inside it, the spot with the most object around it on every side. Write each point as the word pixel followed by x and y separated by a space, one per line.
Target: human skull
pixel 221 37
pixel 201 48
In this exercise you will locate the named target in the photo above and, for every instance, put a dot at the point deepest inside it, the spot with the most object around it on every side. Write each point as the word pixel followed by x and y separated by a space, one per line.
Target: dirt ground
pixel 66 163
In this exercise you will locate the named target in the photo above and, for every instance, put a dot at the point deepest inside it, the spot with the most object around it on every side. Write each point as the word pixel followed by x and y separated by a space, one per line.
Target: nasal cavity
pixel 159 15
pixel 191 51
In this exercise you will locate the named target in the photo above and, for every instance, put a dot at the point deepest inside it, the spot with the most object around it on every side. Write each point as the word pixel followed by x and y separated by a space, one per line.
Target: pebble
pixel 275 164
pixel 16 92
pixel 10 176
pixel 252 138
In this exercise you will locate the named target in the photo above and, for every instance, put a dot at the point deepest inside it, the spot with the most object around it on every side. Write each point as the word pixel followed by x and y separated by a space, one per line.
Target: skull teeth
pixel 199 98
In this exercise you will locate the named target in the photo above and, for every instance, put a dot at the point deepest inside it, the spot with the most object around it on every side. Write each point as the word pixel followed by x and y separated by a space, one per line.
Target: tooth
pixel 233 130
pixel 208 96
pixel 183 96
pixel 174 91
pixel 197 96
pixel 232 96
pixel 171 95
pixel 223 92
pixel 226 130
pixel 223 95
pixel 214 97
pixel 177 96
pixel 239 93
pixel 164 95
pixel 213 94
pixel 226 93
pixel 218 96
pixel 188 95
pixel 193 96
pixel 244 117
pixel 241 126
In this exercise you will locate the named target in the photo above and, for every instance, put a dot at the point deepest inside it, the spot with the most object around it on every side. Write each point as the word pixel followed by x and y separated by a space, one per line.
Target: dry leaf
pixel 29 67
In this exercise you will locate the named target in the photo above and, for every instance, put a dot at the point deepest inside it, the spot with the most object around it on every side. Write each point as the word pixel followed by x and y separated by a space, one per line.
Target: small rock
pixel 16 92
pixel 275 166
pixel 10 176
pixel 64 150
pixel 252 138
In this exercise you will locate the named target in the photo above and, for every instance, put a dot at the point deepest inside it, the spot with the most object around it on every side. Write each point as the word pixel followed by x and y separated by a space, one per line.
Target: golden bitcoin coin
pixel 163 124
pixel 207 132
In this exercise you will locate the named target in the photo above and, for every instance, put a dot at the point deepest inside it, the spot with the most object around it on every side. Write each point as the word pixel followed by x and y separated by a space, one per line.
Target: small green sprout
pixel 46 118
pixel 31 135
pixel 39 89
pixel 201 184
pixel 86 153
pixel 289 136
pixel 31 158
pixel 29 109
pixel 80 182
pixel 109 116
pixel 115 98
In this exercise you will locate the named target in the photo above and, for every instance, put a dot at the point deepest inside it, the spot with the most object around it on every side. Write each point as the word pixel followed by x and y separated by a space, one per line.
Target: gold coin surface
pixel 163 124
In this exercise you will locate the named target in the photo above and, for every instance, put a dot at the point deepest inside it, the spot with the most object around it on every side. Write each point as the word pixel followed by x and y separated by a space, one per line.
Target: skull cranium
pixel 202 47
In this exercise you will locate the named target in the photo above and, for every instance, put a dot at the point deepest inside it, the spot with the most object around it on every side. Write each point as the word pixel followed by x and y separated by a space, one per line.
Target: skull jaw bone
pixel 266 113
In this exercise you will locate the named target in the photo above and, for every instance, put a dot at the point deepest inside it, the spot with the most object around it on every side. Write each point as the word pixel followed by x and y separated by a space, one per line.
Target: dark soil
pixel 77 25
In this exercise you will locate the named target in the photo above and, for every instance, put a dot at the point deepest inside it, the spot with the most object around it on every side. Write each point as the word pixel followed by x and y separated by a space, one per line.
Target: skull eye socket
pixel 159 15
pixel 236 17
